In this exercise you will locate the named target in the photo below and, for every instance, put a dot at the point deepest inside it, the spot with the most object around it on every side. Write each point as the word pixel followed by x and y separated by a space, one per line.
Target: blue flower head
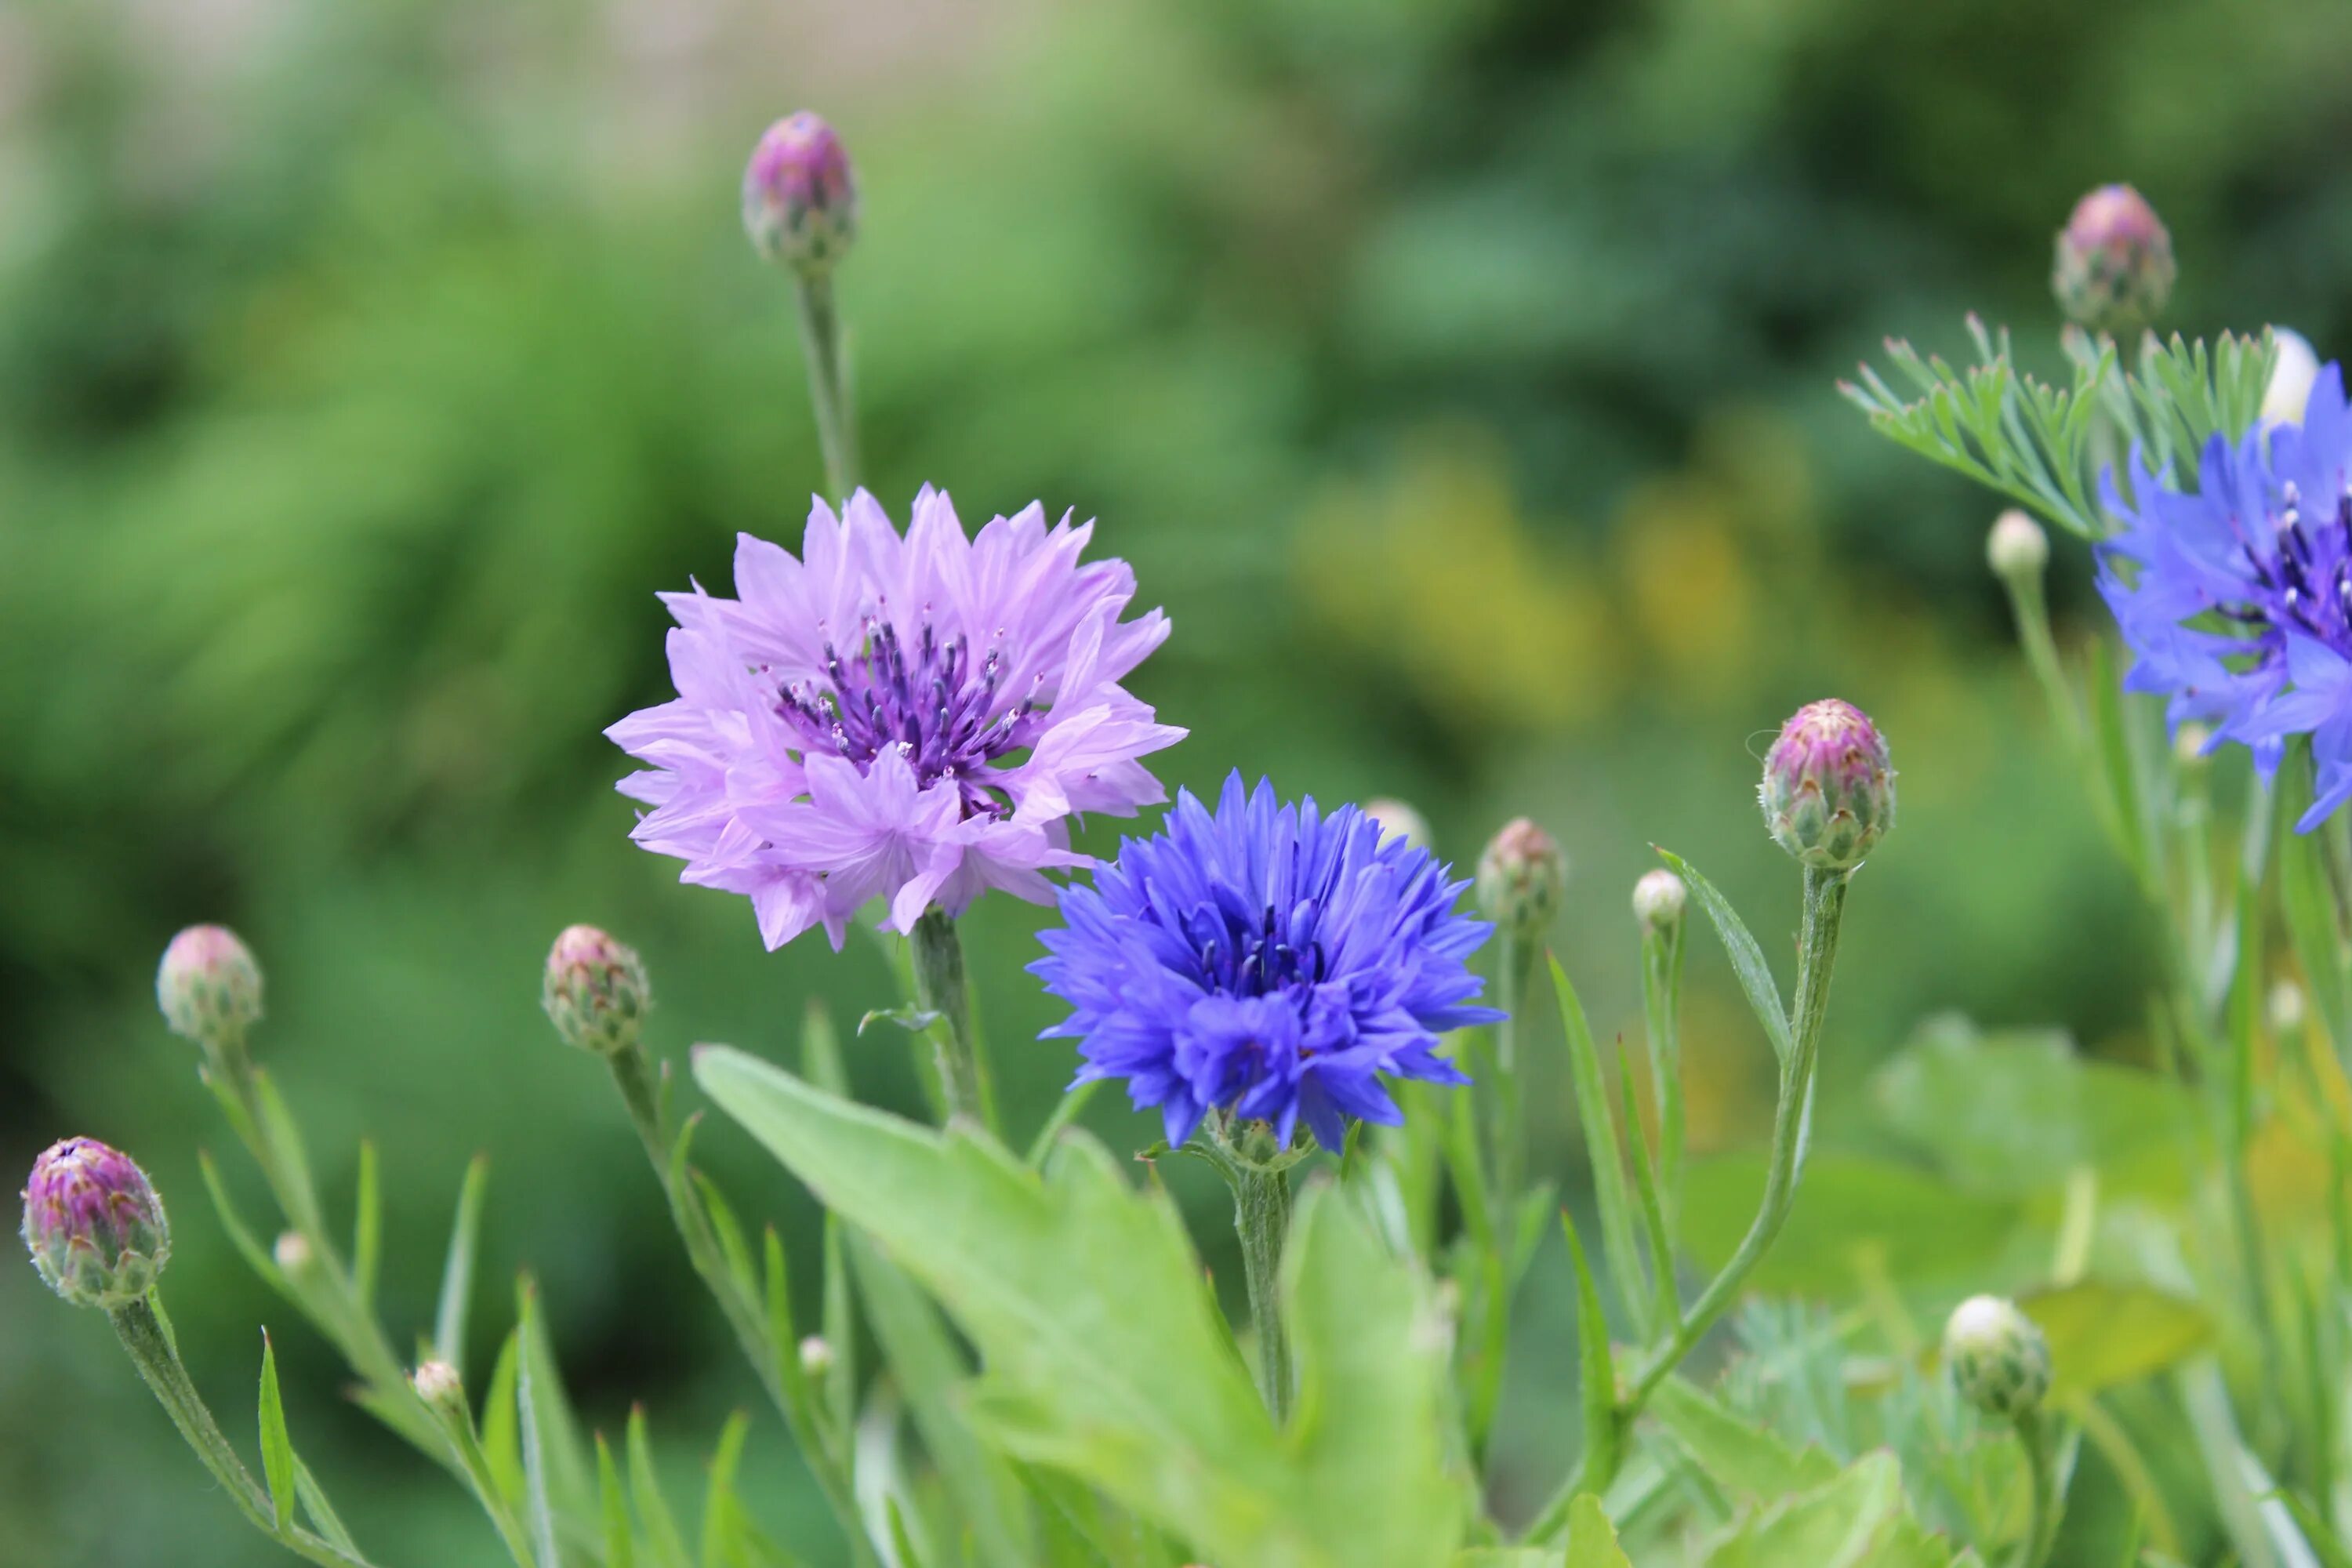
pixel 1267 959
pixel 2237 601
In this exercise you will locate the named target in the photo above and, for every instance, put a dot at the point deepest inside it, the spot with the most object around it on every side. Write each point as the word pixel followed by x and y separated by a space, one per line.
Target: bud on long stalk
pixel 2114 268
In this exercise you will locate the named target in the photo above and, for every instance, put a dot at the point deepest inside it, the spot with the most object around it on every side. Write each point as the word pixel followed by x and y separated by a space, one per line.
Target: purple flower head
pixel 1828 791
pixel 94 1225
pixel 800 198
pixel 2114 269
pixel 2237 601
pixel 1266 960
pixel 913 718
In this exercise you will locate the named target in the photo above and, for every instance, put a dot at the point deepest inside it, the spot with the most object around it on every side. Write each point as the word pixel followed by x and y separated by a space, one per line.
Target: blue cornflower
pixel 2237 601
pixel 1267 959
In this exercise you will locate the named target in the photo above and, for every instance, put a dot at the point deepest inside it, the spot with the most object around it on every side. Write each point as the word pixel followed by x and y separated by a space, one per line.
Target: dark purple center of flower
pixel 2311 580
pixel 1240 958
pixel 939 708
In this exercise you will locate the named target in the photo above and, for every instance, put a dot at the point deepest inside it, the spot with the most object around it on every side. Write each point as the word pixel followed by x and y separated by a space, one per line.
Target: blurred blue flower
pixel 1267 959
pixel 2237 601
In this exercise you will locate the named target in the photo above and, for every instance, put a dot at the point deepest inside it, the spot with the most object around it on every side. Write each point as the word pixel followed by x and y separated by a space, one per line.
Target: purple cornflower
pixel 1267 959
pixel 2237 601
pixel 914 719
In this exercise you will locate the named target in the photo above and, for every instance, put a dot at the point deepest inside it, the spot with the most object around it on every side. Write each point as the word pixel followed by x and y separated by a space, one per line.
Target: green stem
pixel 1262 1216
pixel 151 1351
pixel 633 1074
pixel 2030 607
pixel 2042 1524
pixel 1662 986
pixel 825 346
pixel 1825 909
pixel 1509 1131
pixel 939 987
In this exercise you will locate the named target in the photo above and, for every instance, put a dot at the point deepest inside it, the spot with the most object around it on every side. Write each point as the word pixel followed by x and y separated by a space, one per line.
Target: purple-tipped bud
pixel 2114 270
pixel 1398 820
pixel 208 985
pixel 1522 877
pixel 1658 900
pixel 94 1225
pixel 444 1392
pixel 596 990
pixel 1829 789
pixel 800 198
pixel 2016 547
pixel 2000 1361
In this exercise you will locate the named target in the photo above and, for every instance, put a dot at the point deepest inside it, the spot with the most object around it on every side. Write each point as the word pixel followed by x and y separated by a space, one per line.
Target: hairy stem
pixel 939 987
pixel 826 347
pixel 2041 1523
pixel 1262 1216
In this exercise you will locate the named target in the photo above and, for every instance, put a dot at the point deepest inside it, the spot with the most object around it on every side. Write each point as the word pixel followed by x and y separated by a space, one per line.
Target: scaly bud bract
pixel 2016 547
pixel 1999 1362
pixel 1399 820
pixel 1522 877
pixel 94 1225
pixel 1658 899
pixel 208 985
pixel 800 197
pixel 1829 789
pixel 2114 269
pixel 444 1392
pixel 596 990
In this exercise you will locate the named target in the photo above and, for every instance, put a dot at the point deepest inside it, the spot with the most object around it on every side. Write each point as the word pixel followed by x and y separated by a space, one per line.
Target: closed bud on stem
pixel 800 197
pixel 1999 1362
pixel 2287 1008
pixel 1658 900
pixel 1398 820
pixel 1829 788
pixel 208 985
pixel 293 1254
pixel 1522 877
pixel 2292 376
pixel 2191 744
pixel 816 1355
pixel 2016 547
pixel 596 990
pixel 94 1225
pixel 444 1392
pixel 2114 269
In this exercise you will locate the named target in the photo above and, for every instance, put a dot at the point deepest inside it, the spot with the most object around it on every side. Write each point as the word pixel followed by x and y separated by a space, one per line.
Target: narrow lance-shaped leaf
pixel 367 1229
pixel 663 1541
pixel 1591 1539
pixel 1596 1373
pixel 620 1539
pixel 276 1448
pixel 722 1521
pixel 457 1273
pixel 1746 958
pixel 1618 1228
pixel 541 1511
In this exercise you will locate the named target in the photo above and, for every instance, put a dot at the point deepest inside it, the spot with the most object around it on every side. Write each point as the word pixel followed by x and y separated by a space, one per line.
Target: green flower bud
pixel 442 1390
pixel 1829 788
pixel 208 985
pixel 1522 877
pixel 2114 269
pixel 94 1225
pixel 2017 547
pixel 1999 1362
pixel 596 990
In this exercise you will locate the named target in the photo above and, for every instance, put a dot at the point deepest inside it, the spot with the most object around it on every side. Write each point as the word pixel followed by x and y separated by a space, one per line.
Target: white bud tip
pixel 293 1253
pixel 2291 377
pixel 816 1355
pixel 1398 820
pixel 437 1383
pixel 2016 546
pixel 2287 1010
pixel 1658 899
pixel 2188 744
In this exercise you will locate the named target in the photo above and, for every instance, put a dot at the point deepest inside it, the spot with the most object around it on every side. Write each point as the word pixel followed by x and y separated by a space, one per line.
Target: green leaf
pixel 457 1273
pixel 254 1254
pixel 2103 1335
pixel 722 1521
pixel 667 1546
pixel 1084 1297
pixel 276 1448
pixel 1852 1211
pixel 1859 1519
pixel 501 1427
pixel 2020 1112
pixel 1596 1374
pixel 620 1539
pixel 2324 1541
pixel 907 1015
pixel 930 1371
pixel 367 1229
pixel 1746 958
pixel 1591 1539
pixel 541 1511
pixel 322 1515
pixel 1065 1111
pixel 563 1450
pixel 1739 1456
pixel 1618 1231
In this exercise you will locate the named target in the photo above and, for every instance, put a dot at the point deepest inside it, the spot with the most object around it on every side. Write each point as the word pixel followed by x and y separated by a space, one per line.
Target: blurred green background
pixel 1457 373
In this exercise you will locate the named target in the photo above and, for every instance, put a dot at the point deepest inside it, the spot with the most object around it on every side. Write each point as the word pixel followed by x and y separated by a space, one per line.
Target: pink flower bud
pixel 594 991
pixel 2114 269
pixel 1829 788
pixel 800 198
pixel 208 985
pixel 94 1225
